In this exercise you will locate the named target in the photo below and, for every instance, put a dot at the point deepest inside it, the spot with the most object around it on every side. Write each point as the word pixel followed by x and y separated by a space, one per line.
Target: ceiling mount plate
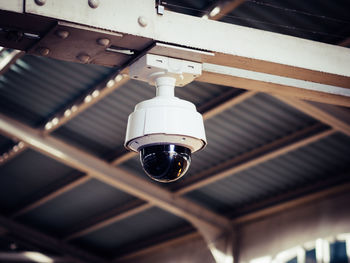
pixel 76 43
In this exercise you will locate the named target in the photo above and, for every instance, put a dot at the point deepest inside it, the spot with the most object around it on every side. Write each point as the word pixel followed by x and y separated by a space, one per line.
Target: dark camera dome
pixel 165 163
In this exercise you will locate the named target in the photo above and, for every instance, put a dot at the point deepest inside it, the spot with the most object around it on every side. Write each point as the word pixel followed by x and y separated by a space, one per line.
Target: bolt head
pixel 94 3
pixel 84 58
pixel 142 21
pixel 40 2
pixel 63 34
pixel 103 42
pixel 43 51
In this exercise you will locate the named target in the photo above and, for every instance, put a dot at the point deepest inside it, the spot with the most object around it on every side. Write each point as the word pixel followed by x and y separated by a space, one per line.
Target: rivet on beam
pixel 94 3
pixel 40 2
pixel 63 34
pixel 103 42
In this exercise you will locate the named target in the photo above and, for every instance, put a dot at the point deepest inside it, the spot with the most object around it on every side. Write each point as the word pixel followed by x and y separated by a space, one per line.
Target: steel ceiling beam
pixel 297 197
pixel 5 63
pixel 27 256
pixel 286 58
pixel 226 7
pixel 281 86
pixel 326 78
pixel 106 87
pixel 229 168
pixel 215 229
pixel 7 60
pixel 333 116
pixel 44 241
pixel 312 109
pixel 209 110
pixel 304 56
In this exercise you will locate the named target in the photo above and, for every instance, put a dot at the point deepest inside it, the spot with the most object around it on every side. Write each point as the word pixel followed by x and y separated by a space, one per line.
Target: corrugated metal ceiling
pixel 101 129
pixel 140 227
pixel 72 208
pixel 35 88
pixel 24 176
pixel 5 144
pixel 318 161
pixel 324 21
pixel 255 122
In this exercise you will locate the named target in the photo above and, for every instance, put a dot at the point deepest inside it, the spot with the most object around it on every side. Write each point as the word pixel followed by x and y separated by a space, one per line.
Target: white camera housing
pixel 165 118
pixel 165 130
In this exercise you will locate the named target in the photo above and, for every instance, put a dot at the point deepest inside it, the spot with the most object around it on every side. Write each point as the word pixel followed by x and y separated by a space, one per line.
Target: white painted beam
pixel 13 5
pixel 235 46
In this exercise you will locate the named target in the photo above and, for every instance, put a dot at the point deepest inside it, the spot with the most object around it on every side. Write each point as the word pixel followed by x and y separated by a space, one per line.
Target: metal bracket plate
pixel 71 42
pixel 172 51
pixel 150 67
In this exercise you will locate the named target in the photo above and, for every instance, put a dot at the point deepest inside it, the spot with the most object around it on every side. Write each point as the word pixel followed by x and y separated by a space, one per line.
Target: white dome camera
pixel 165 130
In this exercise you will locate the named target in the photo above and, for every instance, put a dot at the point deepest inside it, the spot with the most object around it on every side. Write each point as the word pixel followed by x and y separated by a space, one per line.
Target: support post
pixel 220 243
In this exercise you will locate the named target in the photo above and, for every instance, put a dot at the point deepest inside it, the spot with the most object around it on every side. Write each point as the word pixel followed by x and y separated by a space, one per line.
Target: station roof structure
pixel 264 150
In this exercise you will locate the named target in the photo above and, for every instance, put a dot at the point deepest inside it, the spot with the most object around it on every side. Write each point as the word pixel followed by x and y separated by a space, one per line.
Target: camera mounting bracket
pixel 165 119
pixel 151 67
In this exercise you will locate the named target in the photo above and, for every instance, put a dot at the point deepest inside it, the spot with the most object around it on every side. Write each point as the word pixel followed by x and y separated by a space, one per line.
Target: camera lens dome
pixel 165 163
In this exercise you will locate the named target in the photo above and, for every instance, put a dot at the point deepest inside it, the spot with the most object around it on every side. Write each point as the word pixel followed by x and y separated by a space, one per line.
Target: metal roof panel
pixel 311 163
pixel 25 175
pixel 36 87
pixel 140 227
pixel 67 211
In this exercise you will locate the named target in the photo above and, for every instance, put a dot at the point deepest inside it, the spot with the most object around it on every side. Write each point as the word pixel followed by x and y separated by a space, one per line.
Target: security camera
pixel 165 130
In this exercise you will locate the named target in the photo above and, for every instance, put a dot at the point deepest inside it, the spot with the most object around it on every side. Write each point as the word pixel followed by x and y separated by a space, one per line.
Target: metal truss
pixel 280 65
